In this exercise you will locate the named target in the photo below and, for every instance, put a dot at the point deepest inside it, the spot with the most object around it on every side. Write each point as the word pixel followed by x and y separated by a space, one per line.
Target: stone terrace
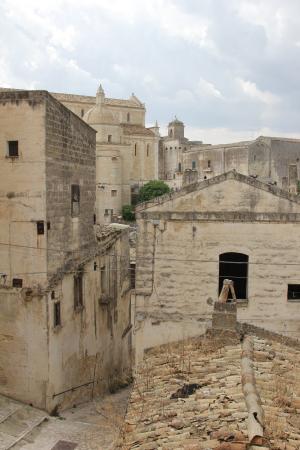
pixel 188 396
pixel 278 382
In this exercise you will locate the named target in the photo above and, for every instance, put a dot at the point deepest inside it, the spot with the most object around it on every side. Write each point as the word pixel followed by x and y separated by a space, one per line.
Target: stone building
pixel 228 227
pixel 126 151
pixel 64 292
pixel 271 159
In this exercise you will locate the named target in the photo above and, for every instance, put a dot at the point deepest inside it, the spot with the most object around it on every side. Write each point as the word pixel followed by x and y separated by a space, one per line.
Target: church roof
pixel 131 129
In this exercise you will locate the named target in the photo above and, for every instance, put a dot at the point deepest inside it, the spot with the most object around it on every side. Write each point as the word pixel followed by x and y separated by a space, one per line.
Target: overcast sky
pixel 230 69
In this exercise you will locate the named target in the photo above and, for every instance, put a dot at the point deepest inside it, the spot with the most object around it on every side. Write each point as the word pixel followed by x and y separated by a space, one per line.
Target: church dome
pixel 99 115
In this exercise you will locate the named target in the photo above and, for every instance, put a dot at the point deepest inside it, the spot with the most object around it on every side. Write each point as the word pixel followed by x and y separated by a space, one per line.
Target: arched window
pixel 135 149
pixel 171 133
pixel 128 117
pixel 234 266
pixel 148 148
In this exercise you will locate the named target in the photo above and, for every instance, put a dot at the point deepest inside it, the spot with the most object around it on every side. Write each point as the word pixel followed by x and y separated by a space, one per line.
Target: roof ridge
pixel 203 184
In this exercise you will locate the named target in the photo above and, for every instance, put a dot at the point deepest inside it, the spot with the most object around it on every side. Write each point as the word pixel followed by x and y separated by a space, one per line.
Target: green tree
pixel 153 189
pixel 128 213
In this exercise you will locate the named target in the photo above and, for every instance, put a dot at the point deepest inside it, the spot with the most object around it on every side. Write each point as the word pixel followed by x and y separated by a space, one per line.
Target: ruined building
pixel 64 290
pixel 231 226
pixel 270 159
pixel 126 151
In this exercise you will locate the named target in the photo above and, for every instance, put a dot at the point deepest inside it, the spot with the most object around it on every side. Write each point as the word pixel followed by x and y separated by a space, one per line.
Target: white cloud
pixel 228 135
pixel 207 89
pixel 251 90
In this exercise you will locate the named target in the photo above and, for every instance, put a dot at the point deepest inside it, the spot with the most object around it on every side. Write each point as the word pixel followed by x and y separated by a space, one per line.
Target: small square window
pixel 294 292
pixel 109 137
pixel 57 315
pixel 17 282
pixel 114 193
pixel 13 149
pixel 40 227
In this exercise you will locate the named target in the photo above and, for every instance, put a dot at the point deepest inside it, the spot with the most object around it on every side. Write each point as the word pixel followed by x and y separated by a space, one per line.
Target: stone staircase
pixel 17 421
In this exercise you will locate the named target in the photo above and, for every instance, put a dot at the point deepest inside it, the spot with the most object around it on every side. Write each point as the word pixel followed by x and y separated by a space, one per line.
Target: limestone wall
pixel 93 346
pixel 178 248
pixel 22 187
pixel 70 160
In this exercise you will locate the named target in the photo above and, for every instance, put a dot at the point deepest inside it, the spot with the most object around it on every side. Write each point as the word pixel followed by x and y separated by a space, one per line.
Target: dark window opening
pixel 82 112
pixel 114 193
pixel 179 167
pixel 132 276
pixel 109 138
pixel 234 266
pixel 148 147
pixel 40 227
pixel 57 316
pixel 293 292
pixel 208 163
pixel 78 291
pixel 94 219
pixel 13 149
pixel 193 164
pixel 75 196
pixel 52 295
pixel 128 117
pixel 17 282
pixel 135 149
pixel 48 226
pixel 103 280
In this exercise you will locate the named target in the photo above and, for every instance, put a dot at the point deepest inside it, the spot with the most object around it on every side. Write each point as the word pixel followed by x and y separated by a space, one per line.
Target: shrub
pixel 128 213
pixel 153 189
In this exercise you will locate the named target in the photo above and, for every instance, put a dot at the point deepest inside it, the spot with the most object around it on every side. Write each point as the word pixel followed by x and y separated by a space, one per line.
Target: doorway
pixel 234 266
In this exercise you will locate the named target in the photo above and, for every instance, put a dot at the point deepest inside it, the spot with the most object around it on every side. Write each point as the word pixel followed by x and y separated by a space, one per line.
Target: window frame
pixel 78 286
pixel 75 192
pixel 11 150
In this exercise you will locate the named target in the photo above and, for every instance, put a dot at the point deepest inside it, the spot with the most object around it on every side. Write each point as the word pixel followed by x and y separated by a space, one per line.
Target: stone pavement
pixel 90 426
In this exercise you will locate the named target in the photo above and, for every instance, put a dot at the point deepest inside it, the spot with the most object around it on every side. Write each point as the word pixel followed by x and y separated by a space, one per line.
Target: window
pixel 109 138
pixel 103 279
pixel 234 266
pixel 135 149
pixel 114 193
pixel 78 291
pixel 132 276
pixel 13 149
pixel 293 292
pixel 128 117
pixel 171 133
pixel 57 315
pixel 82 112
pixel 17 282
pixel 148 148
pixel 52 295
pixel 179 167
pixel 208 164
pixel 193 164
pixel 40 227
pixel 75 200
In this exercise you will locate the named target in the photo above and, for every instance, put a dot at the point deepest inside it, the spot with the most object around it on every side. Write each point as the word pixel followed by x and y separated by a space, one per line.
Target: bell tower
pixel 176 129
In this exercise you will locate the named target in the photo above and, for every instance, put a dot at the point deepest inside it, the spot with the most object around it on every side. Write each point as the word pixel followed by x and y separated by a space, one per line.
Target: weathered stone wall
pixel 179 243
pixel 22 187
pixel 93 345
pixel 23 347
pixel 70 159
pixel 267 158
